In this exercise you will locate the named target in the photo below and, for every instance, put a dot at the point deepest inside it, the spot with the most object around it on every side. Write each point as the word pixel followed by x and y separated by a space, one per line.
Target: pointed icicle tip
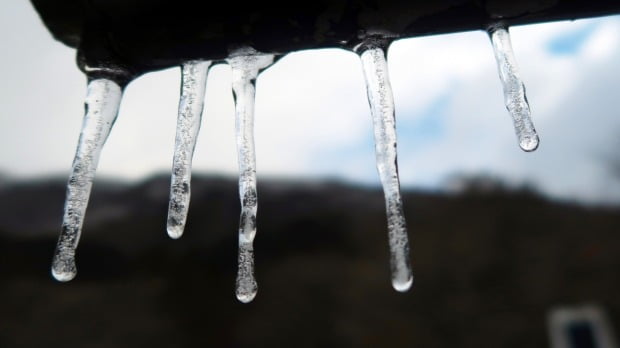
pixel 63 276
pixel 175 231
pixel 246 282
pixel 401 286
pixel 63 270
pixel 246 297
pixel 529 143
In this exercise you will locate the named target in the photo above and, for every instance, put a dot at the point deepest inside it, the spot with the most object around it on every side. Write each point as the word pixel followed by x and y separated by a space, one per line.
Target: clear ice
pixel 193 83
pixel 514 89
pixel 246 64
pixel 381 103
pixel 102 102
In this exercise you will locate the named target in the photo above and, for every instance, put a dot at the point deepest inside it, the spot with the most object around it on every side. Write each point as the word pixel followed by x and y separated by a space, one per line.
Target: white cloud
pixel 38 94
pixel 312 118
pixel 309 104
pixel 565 92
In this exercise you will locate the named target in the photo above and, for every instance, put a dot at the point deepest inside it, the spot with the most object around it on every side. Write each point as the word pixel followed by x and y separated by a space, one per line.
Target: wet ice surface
pixel 514 89
pixel 246 65
pixel 102 102
pixel 193 83
pixel 381 103
pixel 103 99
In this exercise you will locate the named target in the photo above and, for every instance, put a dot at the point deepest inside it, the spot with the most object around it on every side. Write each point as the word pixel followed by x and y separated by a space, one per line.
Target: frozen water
pixel 514 90
pixel 102 101
pixel 246 64
pixel 193 83
pixel 246 283
pixel 381 103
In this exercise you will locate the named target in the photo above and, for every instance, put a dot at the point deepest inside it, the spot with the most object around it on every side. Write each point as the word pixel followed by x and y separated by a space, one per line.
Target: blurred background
pixel 501 239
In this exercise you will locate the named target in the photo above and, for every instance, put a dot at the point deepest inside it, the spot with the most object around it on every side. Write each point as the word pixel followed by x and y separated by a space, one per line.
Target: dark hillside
pixel 488 265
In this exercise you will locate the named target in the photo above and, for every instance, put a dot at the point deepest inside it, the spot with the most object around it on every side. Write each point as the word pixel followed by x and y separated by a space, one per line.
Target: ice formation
pixel 246 64
pixel 193 83
pixel 103 98
pixel 102 103
pixel 514 89
pixel 381 101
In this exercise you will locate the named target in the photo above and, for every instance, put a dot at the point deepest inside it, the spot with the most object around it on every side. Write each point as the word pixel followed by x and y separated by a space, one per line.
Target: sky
pixel 313 119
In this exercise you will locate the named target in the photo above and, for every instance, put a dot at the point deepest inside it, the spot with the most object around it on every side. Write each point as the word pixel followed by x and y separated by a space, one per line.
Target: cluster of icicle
pixel 102 103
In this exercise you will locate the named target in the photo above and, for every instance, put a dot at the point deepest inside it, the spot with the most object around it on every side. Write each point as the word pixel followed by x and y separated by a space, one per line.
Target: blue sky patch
pixel 426 127
pixel 571 42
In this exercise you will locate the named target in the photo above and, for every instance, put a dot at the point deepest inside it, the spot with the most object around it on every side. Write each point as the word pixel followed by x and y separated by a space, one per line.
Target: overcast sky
pixel 312 117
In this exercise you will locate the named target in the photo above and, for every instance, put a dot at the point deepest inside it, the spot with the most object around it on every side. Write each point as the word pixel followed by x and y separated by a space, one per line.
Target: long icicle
pixel 102 102
pixel 514 89
pixel 246 65
pixel 193 84
pixel 381 103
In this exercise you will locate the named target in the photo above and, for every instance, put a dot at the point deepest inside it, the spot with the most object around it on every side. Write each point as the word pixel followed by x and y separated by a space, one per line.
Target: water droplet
pixel 193 84
pixel 102 102
pixel 514 89
pixel 381 100
pixel 246 64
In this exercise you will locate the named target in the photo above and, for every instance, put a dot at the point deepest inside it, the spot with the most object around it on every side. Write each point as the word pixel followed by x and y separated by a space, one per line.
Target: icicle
pixel 246 64
pixel 194 78
pixel 514 90
pixel 381 102
pixel 102 102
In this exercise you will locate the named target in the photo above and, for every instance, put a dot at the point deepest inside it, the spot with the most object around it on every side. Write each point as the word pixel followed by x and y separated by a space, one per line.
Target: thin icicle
pixel 102 102
pixel 382 110
pixel 194 79
pixel 246 64
pixel 514 89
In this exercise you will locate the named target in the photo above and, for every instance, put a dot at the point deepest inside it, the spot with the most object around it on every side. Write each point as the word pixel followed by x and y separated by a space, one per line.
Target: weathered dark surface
pixel 144 35
pixel 489 266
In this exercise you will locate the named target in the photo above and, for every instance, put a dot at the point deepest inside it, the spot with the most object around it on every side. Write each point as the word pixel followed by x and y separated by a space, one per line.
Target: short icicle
pixel 102 102
pixel 514 89
pixel 380 98
pixel 193 83
pixel 246 64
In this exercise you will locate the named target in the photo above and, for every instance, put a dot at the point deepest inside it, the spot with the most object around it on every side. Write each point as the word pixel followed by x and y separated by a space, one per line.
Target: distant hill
pixel 489 265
